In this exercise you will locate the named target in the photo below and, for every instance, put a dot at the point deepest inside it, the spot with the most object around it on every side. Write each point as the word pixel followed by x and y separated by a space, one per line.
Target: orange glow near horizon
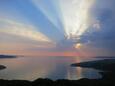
pixel 40 53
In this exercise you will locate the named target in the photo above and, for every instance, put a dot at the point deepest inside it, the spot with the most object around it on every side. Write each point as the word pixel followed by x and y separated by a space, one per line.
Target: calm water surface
pixel 31 68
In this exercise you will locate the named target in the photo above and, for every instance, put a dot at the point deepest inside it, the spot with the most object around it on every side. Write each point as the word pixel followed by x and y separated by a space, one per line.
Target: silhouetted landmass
pixel 2 67
pixel 105 65
pixel 108 78
pixel 108 57
pixel 7 56
pixel 63 82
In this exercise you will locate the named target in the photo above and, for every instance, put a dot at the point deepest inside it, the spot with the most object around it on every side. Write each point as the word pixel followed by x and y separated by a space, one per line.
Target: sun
pixel 78 45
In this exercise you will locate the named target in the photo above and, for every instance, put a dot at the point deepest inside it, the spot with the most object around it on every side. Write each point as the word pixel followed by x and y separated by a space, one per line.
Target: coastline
pixel 106 80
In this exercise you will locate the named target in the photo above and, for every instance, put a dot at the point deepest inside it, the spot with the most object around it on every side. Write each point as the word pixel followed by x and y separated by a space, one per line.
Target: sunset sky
pixel 57 27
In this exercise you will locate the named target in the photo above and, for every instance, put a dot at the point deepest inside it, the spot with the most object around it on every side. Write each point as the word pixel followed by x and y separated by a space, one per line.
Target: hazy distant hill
pixel 108 57
pixel 7 56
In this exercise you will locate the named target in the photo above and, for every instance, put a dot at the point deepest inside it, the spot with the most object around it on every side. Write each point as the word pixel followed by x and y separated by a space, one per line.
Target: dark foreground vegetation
pixel 48 82
pixel 108 78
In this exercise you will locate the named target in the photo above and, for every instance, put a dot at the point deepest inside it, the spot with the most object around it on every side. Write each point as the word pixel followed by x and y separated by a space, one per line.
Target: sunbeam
pixel 50 11
pixel 76 16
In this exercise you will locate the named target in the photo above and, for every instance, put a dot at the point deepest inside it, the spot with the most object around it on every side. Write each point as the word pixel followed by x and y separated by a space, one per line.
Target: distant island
pixel 7 56
pixel 3 57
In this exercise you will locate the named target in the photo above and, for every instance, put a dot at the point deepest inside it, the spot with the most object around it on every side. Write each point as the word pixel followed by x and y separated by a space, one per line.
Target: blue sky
pixel 27 11
pixel 63 25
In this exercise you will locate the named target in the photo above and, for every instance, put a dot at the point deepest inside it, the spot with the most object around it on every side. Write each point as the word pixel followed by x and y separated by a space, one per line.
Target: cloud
pixel 104 38
pixel 75 16
pixel 19 29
